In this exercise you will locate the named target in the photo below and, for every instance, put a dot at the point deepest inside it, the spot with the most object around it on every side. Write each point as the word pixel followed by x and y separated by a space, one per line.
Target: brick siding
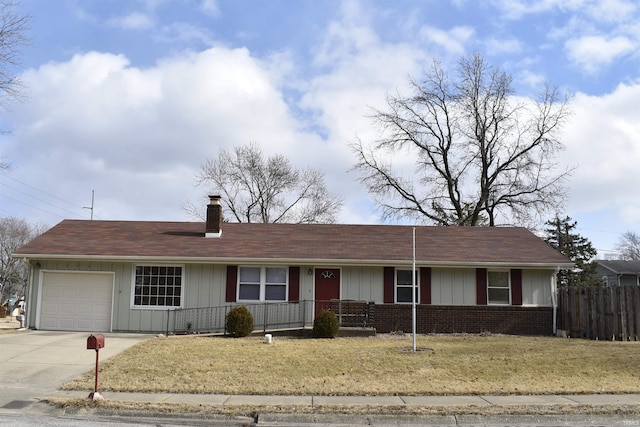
pixel 465 319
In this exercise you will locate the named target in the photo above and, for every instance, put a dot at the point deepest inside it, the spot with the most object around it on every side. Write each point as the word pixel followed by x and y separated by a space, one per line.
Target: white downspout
pixel 554 299
pixel 27 295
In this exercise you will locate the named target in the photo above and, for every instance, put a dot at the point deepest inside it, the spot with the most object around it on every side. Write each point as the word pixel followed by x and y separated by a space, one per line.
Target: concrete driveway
pixel 33 364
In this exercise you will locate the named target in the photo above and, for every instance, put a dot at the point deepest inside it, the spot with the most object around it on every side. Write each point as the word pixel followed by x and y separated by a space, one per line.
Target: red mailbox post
pixel 95 342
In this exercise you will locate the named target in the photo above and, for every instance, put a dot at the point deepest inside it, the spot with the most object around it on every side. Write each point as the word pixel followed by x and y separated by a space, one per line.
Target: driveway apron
pixel 36 363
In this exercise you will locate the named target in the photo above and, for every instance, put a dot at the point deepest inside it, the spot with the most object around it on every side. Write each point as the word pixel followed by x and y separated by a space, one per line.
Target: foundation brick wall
pixel 465 319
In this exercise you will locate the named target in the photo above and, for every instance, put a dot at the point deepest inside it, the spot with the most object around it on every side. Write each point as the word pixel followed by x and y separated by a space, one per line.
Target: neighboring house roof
pixel 620 266
pixel 303 243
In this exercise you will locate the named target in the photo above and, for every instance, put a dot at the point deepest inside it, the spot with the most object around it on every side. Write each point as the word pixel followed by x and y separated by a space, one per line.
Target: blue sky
pixel 129 98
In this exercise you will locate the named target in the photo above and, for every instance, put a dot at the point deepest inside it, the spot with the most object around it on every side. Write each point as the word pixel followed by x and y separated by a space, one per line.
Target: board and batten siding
pixel 306 282
pixel 203 287
pixel 363 284
pixel 457 286
pixel 453 286
pixel 536 287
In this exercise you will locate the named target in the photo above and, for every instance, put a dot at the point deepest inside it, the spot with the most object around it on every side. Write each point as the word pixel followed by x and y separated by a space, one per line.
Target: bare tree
pixel 629 246
pixel 480 154
pixel 13 36
pixel 259 189
pixel 14 233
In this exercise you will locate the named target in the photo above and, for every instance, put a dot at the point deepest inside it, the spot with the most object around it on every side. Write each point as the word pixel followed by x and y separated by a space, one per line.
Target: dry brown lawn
pixel 382 365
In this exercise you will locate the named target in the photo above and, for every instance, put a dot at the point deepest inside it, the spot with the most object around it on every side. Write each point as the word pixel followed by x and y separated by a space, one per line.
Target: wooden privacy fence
pixel 602 313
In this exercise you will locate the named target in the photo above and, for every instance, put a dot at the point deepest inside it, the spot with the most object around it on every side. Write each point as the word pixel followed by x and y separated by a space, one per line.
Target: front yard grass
pixel 382 365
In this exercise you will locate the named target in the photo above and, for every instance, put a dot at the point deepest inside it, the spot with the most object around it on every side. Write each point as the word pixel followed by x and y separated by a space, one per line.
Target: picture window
pixel 157 286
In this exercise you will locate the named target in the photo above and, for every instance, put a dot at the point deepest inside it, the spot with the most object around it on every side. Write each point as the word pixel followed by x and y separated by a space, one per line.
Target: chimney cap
pixel 214 199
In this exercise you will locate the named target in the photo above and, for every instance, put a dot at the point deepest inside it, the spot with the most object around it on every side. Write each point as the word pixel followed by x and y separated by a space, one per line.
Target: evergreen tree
pixel 561 235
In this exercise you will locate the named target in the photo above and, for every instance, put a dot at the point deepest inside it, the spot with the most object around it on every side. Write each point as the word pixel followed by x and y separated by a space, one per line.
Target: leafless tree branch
pixel 259 189
pixel 480 154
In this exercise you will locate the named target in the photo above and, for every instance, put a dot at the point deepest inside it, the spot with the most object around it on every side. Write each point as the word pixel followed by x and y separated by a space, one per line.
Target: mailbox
pixel 95 342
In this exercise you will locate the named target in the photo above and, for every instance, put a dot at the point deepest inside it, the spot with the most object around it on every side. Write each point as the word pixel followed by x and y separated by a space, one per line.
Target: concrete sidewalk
pixel 451 410
pixel 312 401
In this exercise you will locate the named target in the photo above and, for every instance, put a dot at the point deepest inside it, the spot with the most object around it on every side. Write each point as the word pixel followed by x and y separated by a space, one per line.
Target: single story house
pixel 618 272
pixel 128 276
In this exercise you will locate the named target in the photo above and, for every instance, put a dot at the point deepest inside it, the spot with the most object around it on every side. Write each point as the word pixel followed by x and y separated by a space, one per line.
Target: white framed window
pixel 404 285
pixel 263 283
pixel 498 288
pixel 157 286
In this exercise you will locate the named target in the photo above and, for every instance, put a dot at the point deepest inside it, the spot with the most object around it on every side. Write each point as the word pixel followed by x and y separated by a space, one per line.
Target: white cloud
pixel 495 46
pixel 533 80
pixel 517 9
pixel 139 136
pixel 601 140
pixel 133 21
pixel 356 71
pixel 346 36
pixel 595 52
pixel 453 40
pixel 185 33
pixel 611 10
pixel 210 7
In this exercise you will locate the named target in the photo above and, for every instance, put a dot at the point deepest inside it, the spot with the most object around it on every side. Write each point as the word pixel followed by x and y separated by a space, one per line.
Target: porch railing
pixel 271 316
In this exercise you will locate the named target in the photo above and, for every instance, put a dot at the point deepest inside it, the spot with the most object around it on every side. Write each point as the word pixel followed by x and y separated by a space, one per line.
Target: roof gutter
pixel 303 261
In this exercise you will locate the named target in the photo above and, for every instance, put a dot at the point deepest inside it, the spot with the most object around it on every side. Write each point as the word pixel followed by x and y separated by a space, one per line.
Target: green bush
pixel 239 322
pixel 326 325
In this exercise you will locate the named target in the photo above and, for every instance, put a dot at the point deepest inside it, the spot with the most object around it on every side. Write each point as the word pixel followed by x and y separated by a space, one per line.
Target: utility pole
pixel 93 194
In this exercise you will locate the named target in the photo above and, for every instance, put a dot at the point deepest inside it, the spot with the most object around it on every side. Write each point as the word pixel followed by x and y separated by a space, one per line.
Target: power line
pixel 38 199
pixel 32 206
pixel 38 190
pixel 49 195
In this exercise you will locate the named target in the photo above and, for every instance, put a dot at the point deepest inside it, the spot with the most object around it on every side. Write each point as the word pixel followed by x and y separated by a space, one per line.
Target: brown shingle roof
pixel 315 243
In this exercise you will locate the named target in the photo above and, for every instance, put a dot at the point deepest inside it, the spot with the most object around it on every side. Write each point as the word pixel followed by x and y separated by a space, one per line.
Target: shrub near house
pixel 326 325
pixel 239 322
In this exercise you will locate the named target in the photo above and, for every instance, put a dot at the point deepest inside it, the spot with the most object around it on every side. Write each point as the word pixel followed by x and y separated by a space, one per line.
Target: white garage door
pixel 76 301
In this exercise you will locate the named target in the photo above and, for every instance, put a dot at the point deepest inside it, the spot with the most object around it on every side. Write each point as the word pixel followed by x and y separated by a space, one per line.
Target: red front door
pixel 327 287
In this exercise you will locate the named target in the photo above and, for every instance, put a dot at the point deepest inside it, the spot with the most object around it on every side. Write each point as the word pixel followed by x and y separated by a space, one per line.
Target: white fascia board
pixel 293 261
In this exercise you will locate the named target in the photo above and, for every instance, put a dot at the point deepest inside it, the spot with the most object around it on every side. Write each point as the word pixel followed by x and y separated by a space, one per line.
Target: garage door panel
pixel 85 294
pixel 84 309
pixel 66 323
pixel 76 301
pixel 85 324
pixel 103 293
